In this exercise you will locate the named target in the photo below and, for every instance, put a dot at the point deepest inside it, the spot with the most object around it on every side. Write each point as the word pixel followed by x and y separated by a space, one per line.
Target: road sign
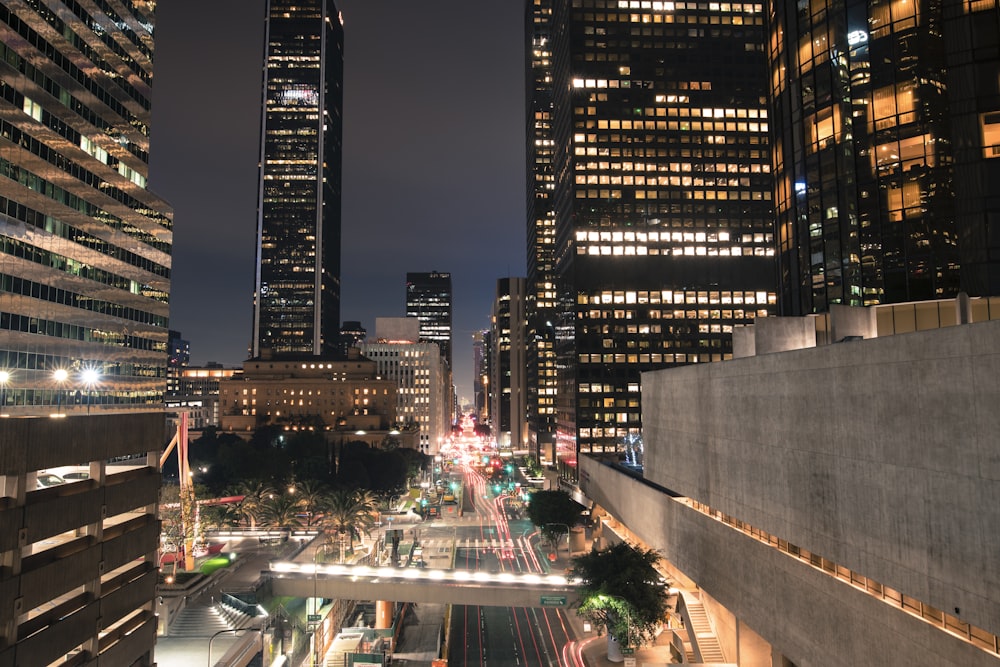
pixel 314 617
pixel 627 650
pixel 553 600
pixel 629 662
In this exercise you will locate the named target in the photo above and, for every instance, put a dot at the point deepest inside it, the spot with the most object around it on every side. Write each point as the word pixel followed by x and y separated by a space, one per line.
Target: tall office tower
pixel 887 126
pixel 662 199
pixel 297 287
pixel 541 236
pixel 84 302
pixel 428 298
pixel 84 246
pixel 479 378
pixel 507 365
pixel 179 358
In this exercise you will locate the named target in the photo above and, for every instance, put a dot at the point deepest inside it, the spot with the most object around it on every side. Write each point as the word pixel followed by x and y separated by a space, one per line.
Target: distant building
pixel 420 376
pixel 297 285
pixel 429 299
pixel 308 392
pixel 507 366
pixel 479 378
pixel 198 394
pixel 180 357
pixel 352 334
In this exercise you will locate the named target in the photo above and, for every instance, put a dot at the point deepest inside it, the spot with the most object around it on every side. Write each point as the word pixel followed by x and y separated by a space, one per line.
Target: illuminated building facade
pixel 428 298
pixel 297 283
pixel 887 126
pixel 508 366
pixel 662 199
pixel 84 246
pixel 307 392
pixel 421 379
pixel 541 236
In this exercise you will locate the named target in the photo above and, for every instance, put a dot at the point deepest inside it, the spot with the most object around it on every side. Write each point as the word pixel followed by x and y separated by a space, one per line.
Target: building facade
pixel 508 368
pixel 84 246
pixel 297 281
pixel 429 299
pixel 661 193
pixel 839 488
pixel 423 393
pixel 886 125
pixel 307 392
pixel 542 295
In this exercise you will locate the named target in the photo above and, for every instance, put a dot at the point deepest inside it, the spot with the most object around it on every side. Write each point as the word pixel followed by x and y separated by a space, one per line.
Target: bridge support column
pixel 383 614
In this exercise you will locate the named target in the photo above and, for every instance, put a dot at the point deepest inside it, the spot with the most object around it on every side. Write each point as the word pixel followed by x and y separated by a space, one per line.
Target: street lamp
pixel 59 375
pixel 90 376
pixel 4 380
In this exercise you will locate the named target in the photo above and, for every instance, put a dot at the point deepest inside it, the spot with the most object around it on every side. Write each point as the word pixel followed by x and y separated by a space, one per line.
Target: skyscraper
pixel 85 271
pixel 507 365
pixel 541 236
pixel 661 195
pixel 888 126
pixel 297 285
pixel 84 246
pixel 428 298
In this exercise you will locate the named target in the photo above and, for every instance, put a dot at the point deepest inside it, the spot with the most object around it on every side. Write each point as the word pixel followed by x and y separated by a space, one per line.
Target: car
pixel 76 476
pixel 46 479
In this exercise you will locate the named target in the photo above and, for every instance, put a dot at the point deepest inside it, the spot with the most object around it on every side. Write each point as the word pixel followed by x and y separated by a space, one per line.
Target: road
pixel 484 635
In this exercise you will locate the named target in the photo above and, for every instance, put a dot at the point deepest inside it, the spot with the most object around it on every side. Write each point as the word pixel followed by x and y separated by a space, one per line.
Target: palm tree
pixel 313 498
pixel 348 514
pixel 255 495
pixel 281 512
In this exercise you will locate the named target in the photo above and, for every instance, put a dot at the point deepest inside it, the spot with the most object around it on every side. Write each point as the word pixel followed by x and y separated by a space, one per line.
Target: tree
pixel 255 495
pixel 553 512
pixel 281 512
pixel 622 592
pixel 312 498
pixel 349 513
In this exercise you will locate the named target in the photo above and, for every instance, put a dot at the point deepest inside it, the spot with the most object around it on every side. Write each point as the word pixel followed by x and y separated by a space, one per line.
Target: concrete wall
pixel 777 334
pixel 880 455
pixel 808 616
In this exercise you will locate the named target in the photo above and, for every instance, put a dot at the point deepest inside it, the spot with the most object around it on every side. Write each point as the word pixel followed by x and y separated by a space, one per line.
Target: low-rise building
pixel 308 391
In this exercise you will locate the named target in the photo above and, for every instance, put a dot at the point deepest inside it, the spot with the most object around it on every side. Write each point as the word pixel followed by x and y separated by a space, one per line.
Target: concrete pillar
pixel 383 614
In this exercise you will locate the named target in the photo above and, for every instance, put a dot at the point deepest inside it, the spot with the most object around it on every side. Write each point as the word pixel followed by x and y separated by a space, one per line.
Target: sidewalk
pixel 595 648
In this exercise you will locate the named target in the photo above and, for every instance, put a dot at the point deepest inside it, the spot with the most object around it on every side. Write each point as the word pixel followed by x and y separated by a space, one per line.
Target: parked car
pixel 47 479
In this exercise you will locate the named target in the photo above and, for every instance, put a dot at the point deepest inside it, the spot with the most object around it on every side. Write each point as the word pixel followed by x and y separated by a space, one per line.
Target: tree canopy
pixel 553 512
pixel 622 592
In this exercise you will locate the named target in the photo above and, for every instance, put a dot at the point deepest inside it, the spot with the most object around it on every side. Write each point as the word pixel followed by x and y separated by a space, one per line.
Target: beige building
pixel 335 395
pixel 420 375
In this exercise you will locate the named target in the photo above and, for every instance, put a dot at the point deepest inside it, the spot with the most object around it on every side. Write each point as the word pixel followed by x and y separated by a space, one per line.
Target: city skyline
pixel 400 191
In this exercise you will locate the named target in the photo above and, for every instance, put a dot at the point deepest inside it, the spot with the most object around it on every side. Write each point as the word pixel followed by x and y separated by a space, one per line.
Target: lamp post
pixel 4 379
pixel 316 605
pixel 628 621
pixel 60 376
pixel 90 377
pixel 556 541
pixel 235 630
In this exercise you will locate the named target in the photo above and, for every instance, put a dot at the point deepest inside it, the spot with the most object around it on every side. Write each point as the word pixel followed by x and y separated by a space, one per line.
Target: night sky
pixel 434 174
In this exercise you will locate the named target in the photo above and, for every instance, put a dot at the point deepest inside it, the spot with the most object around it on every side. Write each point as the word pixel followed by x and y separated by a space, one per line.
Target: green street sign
pixel 314 617
pixel 553 600
pixel 626 650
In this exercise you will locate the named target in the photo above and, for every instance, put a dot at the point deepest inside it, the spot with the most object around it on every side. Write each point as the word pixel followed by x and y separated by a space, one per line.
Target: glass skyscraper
pixel 541 236
pixel 887 121
pixel 84 246
pixel 661 192
pixel 297 286
pixel 428 298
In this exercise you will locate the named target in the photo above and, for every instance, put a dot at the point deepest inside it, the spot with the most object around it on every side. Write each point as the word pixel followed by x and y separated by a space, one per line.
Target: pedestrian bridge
pixel 412 584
